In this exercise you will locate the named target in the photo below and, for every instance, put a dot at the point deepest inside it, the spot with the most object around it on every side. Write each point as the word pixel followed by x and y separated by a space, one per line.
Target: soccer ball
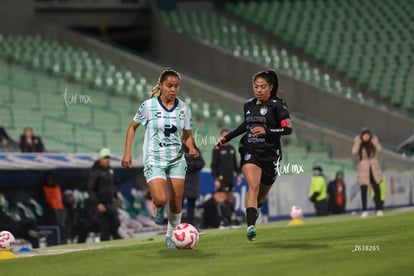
pixel 7 240
pixel 295 212
pixel 185 236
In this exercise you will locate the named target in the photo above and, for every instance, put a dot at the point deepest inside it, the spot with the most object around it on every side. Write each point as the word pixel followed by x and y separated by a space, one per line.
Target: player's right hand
pixel 220 142
pixel 126 162
pixel 217 184
pixel 101 208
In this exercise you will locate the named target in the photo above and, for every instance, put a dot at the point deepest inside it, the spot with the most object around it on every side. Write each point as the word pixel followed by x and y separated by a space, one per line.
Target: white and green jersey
pixel 163 130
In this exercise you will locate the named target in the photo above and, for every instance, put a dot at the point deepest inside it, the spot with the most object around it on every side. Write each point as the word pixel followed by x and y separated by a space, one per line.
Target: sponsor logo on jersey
pixel 163 144
pixel 255 119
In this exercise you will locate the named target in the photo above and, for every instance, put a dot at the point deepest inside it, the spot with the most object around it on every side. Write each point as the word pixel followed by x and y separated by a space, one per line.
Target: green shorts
pixel 174 170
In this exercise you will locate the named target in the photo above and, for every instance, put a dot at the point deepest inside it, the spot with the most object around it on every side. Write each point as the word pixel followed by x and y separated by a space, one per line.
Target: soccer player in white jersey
pixel 167 122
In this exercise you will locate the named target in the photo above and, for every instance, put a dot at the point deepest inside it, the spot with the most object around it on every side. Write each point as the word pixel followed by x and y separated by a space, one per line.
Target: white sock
pixel 173 221
pixel 167 209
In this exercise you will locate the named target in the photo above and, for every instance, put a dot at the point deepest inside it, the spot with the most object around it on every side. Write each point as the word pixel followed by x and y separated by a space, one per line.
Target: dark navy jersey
pixel 224 163
pixel 273 116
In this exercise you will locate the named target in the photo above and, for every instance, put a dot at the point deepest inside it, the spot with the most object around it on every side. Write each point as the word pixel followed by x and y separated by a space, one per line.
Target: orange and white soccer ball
pixel 185 236
pixel 7 240
pixel 295 212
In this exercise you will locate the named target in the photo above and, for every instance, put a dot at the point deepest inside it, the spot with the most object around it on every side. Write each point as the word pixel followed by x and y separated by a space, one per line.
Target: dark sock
pixel 251 216
pixel 364 195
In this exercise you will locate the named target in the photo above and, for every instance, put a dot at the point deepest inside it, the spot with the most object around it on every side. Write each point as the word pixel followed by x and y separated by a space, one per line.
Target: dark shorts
pixel 226 186
pixel 263 161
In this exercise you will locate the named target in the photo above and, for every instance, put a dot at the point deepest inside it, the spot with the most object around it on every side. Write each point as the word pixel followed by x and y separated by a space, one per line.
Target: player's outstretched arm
pixel 126 159
pixel 188 140
pixel 232 134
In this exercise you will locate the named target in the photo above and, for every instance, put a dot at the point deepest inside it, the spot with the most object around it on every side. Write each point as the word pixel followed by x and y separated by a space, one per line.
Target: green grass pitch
pixel 334 245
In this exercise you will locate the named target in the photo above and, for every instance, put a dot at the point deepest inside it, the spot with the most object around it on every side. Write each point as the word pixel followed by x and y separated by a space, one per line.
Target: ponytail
pixel 155 91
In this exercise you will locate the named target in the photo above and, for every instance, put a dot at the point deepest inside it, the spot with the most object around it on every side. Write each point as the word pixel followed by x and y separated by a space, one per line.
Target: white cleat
pixel 380 213
pixel 364 214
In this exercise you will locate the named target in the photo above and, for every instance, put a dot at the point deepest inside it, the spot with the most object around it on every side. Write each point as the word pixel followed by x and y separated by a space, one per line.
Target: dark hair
pixel 365 130
pixel 168 72
pixel 368 146
pixel 271 78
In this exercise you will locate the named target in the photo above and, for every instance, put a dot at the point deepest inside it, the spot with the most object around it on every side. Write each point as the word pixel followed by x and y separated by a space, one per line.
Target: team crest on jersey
pixel 247 156
pixel 263 110
pixel 181 114
pixel 148 171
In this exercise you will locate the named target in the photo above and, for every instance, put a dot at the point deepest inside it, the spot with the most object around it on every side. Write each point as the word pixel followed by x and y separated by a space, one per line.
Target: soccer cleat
pixel 158 215
pixel 169 243
pixel 251 233
pixel 364 214
pixel 380 213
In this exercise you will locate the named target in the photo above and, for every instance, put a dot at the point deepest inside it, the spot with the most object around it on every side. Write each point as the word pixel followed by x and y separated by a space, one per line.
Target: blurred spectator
pixel 4 137
pixel 52 203
pixel 29 142
pixel 142 206
pixel 223 168
pixel 216 211
pixel 337 194
pixel 128 226
pixel 318 192
pixel 76 225
pixel 24 229
pixel 70 215
pixel 103 193
pixel 192 182
pixel 6 143
pixel 87 221
pixel 366 147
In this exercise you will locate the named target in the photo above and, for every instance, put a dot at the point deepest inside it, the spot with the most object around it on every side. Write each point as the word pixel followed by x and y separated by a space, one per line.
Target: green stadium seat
pixel 115 93
pixel 346 35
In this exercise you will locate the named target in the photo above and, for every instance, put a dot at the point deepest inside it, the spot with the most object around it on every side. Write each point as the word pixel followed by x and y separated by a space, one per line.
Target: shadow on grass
pixel 300 246
pixel 192 254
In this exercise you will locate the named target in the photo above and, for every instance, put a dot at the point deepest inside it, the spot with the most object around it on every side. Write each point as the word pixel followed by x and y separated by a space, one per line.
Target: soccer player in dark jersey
pixel 266 119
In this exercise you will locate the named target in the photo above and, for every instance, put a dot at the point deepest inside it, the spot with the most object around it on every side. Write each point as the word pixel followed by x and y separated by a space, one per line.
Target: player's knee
pixel 254 188
pixel 160 200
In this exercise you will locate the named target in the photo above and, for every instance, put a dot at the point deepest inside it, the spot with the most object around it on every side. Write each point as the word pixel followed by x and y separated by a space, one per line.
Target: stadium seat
pixel 115 93
pixel 357 40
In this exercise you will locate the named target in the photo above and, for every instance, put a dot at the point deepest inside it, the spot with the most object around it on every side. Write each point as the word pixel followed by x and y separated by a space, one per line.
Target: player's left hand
pixel 258 130
pixel 193 152
pixel 239 180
